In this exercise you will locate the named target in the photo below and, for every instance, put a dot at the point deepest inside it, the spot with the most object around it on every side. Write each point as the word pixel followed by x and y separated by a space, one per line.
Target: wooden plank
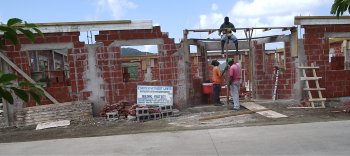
pixel 318 99
pixel 303 107
pixel 267 113
pixel 302 67
pixel 21 72
pixel 215 46
pixel 310 78
pixel 272 114
pixel 252 28
pixel 313 89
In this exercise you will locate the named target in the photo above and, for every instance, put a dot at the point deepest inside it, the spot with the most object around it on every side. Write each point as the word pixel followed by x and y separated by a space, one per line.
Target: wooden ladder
pixel 1 110
pixel 308 89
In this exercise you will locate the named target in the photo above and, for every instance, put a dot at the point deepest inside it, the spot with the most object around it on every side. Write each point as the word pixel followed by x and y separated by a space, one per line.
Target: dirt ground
pixel 189 119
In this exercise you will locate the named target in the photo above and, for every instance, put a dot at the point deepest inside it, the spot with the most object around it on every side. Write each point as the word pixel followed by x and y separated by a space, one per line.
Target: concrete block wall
pixel 48 113
pixel 316 45
pixel 265 77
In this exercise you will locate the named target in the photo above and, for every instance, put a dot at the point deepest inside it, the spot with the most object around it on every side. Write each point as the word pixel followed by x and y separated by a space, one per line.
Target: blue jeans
pixel 216 93
pixel 233 38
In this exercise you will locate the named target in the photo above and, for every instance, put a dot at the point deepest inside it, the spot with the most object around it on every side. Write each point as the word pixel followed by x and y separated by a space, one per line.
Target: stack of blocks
pixel 166 110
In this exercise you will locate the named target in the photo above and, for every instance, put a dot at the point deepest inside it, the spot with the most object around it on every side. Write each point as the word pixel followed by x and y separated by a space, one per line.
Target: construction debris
pixel 346 107
pixel 136 112
pixel 305 103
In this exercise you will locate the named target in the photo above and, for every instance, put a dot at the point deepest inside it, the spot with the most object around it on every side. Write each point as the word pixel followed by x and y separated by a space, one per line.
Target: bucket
pixel 207 88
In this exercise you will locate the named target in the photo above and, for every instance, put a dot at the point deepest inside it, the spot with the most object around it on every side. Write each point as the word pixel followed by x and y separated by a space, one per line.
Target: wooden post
pixel 248 33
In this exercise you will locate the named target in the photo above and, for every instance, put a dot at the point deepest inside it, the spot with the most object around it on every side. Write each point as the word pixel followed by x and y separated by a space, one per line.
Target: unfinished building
pixel 100 73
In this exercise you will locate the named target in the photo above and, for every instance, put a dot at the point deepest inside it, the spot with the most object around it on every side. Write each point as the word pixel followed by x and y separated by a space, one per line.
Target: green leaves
pixel 20 93
pixel 7 78
pixel 23 90
pixel 15 25
pixel 340 6
pixel 6 95
pixel 13 21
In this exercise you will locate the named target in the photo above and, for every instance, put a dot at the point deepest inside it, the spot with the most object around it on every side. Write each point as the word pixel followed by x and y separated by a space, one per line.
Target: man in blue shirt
pixel 226 28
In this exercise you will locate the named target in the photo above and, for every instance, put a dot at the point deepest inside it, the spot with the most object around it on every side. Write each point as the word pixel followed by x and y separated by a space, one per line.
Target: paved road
pixel 323 138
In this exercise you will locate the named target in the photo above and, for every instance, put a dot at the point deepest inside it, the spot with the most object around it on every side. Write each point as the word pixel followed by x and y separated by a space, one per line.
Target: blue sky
pixel 172 16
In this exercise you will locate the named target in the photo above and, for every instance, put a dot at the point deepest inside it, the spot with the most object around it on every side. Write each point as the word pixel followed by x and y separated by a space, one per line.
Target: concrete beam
pixel 337 34
pixel 46 46
pixel 94 26
pixel 321 20
pixel 136 42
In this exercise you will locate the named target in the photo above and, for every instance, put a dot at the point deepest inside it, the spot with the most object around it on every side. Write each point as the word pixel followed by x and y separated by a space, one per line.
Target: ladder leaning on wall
pixel 1 109
pixel 309 90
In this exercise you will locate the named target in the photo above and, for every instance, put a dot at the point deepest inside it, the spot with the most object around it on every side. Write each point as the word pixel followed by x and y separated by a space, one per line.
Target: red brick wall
pixel 165 70
pixel 336 82
pixel 198 74
pixel 21 59
pixel 265 77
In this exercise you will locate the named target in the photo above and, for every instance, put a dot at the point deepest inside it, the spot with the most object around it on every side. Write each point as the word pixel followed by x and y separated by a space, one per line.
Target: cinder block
pixel 155 116
pixel 143 117
pixel 166 108
pixel 112 115
pixel 142 111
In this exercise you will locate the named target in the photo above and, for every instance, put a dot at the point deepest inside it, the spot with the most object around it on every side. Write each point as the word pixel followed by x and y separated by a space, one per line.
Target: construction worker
pixel 216 79
pixel 226 28
pixel 234 82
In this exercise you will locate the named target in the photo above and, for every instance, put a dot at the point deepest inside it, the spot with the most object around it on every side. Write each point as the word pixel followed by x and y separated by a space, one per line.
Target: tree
pixel 23 89
pixel 340 6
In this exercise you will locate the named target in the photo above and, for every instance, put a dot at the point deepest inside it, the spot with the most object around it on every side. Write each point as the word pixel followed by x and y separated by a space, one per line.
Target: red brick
pixel 101 37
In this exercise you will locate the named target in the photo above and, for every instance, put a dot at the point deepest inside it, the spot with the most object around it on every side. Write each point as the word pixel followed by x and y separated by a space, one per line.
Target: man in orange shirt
pixel 216 79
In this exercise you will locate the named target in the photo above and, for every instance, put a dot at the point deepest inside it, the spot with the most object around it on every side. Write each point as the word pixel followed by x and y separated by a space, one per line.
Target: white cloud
pixel 117 8
pixel 274 12
pixel 262 13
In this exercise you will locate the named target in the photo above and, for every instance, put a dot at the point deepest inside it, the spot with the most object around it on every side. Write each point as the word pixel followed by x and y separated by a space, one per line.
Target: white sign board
pixel 154 95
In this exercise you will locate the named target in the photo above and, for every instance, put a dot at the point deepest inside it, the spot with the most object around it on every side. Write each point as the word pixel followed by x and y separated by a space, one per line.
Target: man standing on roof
pixel 234 82
pixel 226 28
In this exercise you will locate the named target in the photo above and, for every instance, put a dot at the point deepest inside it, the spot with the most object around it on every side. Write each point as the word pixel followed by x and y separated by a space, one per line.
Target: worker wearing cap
pixel 226 28
pixel 216 79
pixel 234 82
